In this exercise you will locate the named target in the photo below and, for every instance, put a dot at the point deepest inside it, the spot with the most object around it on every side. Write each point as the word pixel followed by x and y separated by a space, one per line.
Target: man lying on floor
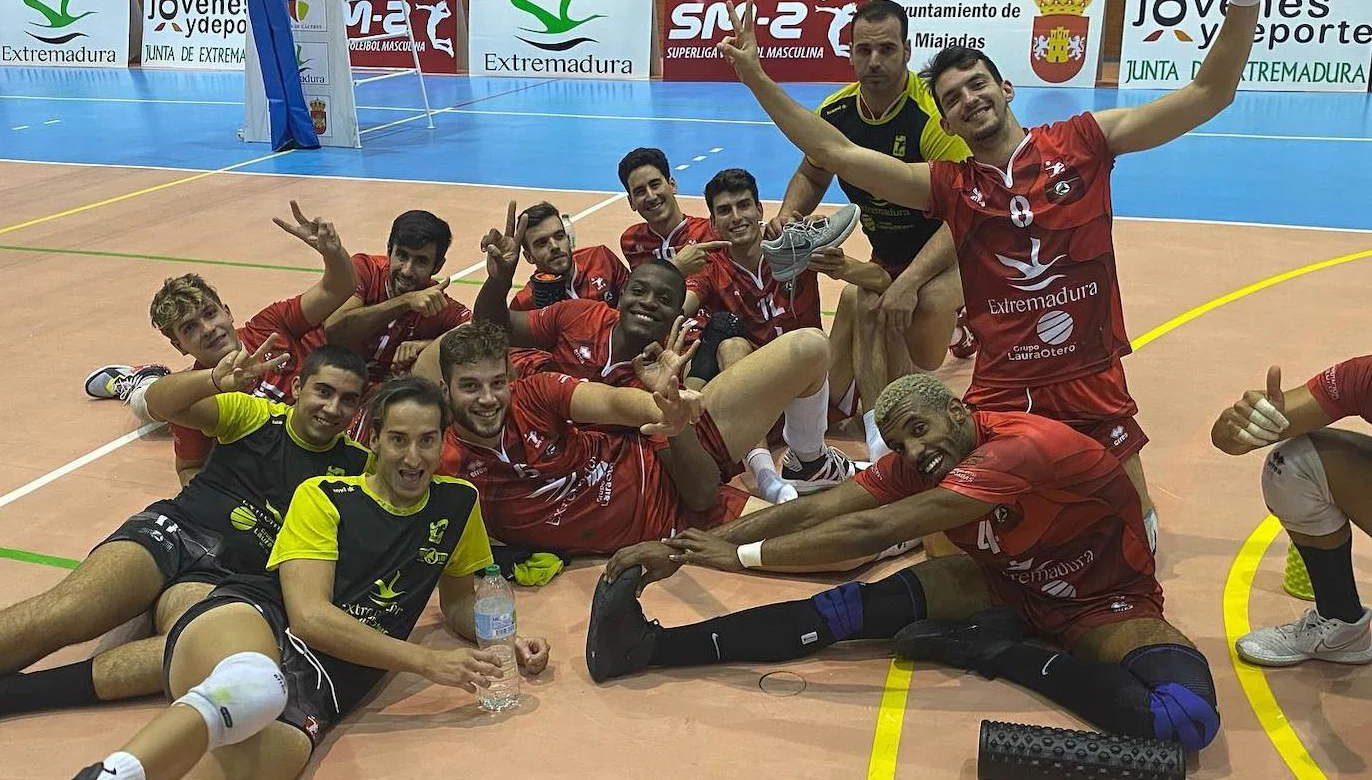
pixel 1056 550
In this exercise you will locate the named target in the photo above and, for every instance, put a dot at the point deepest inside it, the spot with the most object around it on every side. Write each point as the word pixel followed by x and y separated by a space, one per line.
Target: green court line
pixel 203 261
pixel 191 260
pixel 26 556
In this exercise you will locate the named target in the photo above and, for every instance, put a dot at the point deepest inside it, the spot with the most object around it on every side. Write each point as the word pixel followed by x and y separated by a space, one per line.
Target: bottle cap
pixel 493 570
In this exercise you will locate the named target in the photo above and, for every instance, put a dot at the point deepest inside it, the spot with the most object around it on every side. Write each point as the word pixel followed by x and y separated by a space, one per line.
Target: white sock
pixel 806 421
pixel 876 446
pixel 125 766
pixel 769 483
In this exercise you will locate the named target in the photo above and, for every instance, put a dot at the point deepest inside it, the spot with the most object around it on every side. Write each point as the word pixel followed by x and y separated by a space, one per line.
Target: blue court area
pixel 1273 158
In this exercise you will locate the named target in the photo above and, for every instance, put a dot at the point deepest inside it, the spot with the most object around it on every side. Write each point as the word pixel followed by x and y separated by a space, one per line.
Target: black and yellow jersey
pixel 251 474
pixel 910 131
pixel 388 559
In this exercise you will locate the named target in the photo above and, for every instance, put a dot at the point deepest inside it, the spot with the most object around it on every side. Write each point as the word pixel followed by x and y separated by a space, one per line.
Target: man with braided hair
pixel 1056 551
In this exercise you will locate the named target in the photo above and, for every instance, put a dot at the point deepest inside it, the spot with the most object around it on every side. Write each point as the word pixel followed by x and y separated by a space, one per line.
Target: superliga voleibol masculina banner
pixel 1043 43
pixel 589 39
pixel 1299 45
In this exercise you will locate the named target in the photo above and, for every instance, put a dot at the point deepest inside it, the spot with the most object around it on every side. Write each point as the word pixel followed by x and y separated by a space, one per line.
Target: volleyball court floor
pixel 1240 246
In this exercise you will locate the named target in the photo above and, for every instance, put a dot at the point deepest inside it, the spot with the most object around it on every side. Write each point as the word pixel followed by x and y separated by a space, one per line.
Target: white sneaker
pixel 830 470
pixel 1310 637
pixel 896 550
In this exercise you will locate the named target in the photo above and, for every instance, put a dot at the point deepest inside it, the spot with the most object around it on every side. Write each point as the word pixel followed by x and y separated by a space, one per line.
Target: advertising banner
pixel 194 33
pixel 797 41
pixel 82 33
pixel 1300 45
pixel 1034 43
pixel 589 39
pixel 436 34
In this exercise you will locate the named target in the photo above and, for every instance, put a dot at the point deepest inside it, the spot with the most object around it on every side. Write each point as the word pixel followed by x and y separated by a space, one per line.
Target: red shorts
pixel 712 441
pixel 1098 405
pixel 894 269
pixel 731 500
pixel 1109 581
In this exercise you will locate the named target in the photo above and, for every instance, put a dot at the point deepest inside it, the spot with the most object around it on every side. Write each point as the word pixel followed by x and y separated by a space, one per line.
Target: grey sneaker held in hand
pixel 789 253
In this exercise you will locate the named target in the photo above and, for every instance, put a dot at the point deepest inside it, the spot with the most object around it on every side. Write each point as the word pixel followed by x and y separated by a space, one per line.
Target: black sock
pixel 65 686
pixel 794 629
pixel 1106 695
pixel 1331 576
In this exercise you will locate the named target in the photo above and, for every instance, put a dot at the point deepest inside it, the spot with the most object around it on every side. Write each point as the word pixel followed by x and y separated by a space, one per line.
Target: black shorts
pixel 184 551
pixel 320 690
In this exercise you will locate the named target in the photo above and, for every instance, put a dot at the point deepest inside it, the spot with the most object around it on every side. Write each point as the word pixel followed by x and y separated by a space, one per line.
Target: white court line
pixel 611 118
pixel 382 77
pixel 89 457
pixel 580 191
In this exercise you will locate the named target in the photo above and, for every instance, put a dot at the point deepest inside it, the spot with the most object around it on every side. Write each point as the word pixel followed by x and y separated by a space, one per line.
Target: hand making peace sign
pixel 240 370
pixel 316 232
pixel 656 365
pixel 741 47
pixel 502 249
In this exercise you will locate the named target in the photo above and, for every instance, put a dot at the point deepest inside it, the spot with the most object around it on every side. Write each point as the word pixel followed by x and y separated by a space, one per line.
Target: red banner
pixel 798 41
pixel 435 34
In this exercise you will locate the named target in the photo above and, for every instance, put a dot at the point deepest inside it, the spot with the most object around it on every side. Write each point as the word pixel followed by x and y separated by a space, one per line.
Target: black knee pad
pixel 872 610
pixel 1181 692
pixel 723 325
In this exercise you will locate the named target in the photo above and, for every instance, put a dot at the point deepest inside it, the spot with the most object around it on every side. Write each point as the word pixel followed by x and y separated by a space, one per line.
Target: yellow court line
pixel 136 193
pixel 1237 591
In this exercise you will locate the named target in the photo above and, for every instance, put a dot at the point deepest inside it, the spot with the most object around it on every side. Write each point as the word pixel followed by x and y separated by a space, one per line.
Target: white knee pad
pixel 1296 489
pixel 242 696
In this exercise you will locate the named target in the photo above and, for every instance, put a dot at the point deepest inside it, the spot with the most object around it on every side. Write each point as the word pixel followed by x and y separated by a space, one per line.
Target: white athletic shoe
pixel 833 468
pixel 900 549
pixel 1310 637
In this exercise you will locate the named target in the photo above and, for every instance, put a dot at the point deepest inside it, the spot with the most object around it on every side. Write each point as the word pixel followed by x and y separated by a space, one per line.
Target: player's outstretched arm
pixel 339 281
pixel 844 538
pixel 187 397
pixel 882 175
pixel 1178 113
pixel 502 260
pixel 803 195
pixel 1261 418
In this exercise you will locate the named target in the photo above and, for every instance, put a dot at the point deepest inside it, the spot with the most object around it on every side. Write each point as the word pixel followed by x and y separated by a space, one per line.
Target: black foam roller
pixel 1016 751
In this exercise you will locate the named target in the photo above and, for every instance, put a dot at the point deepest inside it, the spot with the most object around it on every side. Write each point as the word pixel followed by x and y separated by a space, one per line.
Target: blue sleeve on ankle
pixel 1181 716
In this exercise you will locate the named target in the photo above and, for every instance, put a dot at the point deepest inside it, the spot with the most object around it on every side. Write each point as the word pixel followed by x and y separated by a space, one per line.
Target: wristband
pixel 215 382
pixel 750 555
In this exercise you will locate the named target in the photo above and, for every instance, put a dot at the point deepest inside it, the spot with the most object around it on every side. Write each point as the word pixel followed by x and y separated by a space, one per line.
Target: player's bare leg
pixel 934 319
pixel 227 648
pixel 1133 466
pixel 135 669
pixel 117 582
pixel 790 376
pixel 759 460
pixel 1318 486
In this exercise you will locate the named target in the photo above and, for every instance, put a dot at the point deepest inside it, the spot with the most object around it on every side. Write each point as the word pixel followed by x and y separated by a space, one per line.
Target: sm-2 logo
pixel 701 20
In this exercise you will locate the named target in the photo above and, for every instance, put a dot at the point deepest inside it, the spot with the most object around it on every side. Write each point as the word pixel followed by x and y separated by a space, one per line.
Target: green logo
pixel 56 21
pixel 560 24
pixel 386 594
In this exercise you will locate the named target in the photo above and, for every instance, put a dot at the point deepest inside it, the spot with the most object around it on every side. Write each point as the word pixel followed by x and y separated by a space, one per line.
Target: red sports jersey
pixel 379 348
pixel 1344 389
pixel 294 335
pixel 597 275
pixel 555 486
pixel 577 336
pixel 1036 256
pixel 767 308
pixel 1066 541
pixel 641 243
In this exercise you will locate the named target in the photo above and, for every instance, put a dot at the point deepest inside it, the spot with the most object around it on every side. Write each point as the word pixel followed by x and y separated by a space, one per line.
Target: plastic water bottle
pixel 495 629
